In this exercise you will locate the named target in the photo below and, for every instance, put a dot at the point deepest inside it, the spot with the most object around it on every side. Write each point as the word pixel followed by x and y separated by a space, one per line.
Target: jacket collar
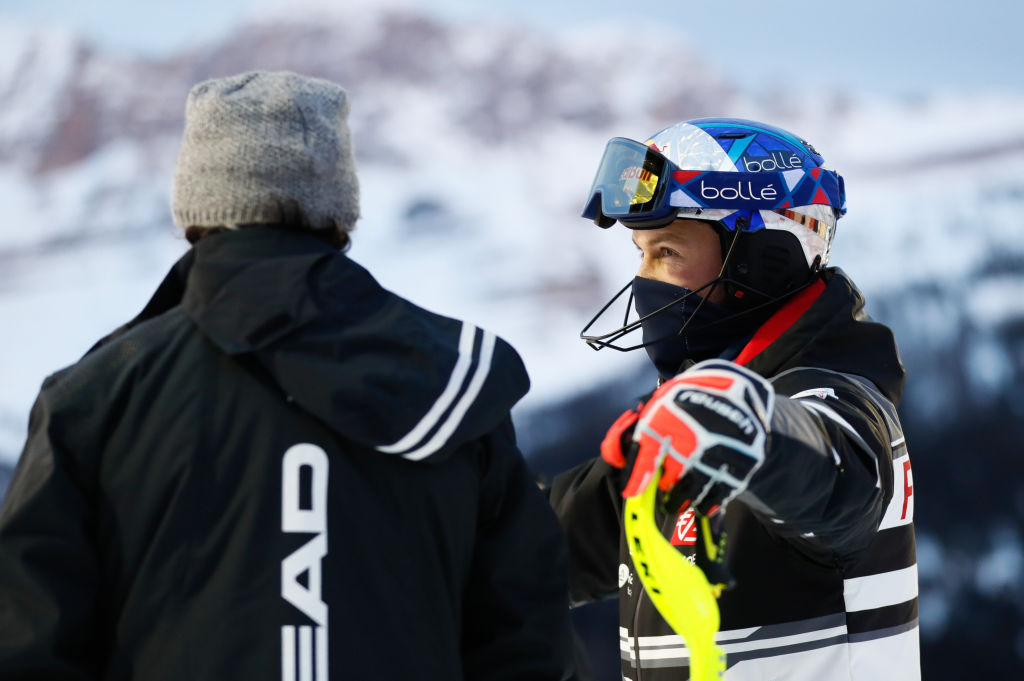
pixel 825 326
pixel 251 287
pixel 243 288
pixel 369 364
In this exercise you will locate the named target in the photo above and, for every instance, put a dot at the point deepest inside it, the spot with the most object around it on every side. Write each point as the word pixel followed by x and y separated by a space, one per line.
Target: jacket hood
pixel 836 333
pixel 375 368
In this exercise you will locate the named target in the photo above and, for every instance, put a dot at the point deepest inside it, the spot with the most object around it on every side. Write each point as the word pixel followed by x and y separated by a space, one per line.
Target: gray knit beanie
pixel 258 146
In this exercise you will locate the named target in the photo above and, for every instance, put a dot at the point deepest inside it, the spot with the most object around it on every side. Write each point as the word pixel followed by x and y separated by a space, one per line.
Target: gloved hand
pixel 707 424
pixel 619 436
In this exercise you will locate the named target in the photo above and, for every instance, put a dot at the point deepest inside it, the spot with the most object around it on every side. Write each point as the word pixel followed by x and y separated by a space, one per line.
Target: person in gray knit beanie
pixel 266 148
pixel 278 439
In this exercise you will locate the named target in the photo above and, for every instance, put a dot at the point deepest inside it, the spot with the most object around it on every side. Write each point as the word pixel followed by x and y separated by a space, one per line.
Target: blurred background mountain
pixel 477 135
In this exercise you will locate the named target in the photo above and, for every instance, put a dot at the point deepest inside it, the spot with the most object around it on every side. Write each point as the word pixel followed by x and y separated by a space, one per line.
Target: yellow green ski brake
pixel 678 588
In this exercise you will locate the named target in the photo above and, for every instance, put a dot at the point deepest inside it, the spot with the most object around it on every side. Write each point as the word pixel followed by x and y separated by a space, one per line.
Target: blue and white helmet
pixel 814 200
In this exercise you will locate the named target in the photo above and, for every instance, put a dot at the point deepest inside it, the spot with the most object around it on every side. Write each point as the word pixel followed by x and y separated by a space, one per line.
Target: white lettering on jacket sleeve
pixel 299 650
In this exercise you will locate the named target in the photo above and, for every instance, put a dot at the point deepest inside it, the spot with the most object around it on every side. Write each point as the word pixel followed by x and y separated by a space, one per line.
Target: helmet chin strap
pixel 770 300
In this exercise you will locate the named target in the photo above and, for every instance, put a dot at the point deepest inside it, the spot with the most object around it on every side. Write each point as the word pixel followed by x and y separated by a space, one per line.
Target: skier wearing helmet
pixel 774 418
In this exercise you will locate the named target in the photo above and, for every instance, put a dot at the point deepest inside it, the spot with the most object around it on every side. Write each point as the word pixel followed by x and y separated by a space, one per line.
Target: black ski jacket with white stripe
pixel 281 470
pixel 821 545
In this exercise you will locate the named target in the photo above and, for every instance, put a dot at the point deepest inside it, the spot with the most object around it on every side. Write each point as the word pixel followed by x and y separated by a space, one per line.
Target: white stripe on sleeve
pixel 877 591
pixel 455 418
pixel 442 403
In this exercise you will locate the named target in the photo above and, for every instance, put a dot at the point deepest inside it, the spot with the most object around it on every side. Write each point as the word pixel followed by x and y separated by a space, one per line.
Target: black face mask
pixel 691 329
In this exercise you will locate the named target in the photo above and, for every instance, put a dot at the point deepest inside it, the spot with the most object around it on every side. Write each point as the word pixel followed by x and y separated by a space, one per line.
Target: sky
pixel 889 47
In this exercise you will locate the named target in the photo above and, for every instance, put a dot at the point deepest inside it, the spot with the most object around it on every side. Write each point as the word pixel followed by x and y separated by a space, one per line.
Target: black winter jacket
pixel 821 545
pixel 280 470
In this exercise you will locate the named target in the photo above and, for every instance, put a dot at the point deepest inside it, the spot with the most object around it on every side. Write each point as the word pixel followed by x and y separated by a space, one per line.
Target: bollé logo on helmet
pixel 778 160
pixel 731 193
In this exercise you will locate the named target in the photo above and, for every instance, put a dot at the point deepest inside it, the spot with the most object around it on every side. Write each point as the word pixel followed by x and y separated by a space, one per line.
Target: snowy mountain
pixel 476 145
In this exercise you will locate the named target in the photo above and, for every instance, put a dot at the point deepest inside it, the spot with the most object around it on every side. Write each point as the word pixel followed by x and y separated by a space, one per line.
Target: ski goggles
pixel 636 184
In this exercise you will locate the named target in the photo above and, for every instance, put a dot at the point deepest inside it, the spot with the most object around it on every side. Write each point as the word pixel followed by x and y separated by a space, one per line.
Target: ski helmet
pixel 765 190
